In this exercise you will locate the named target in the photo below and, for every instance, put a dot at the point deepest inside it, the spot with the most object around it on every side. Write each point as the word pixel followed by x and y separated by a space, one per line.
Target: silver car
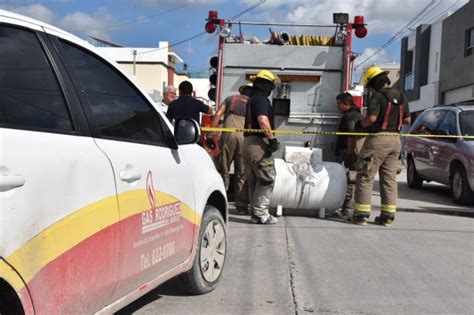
pixel 449 161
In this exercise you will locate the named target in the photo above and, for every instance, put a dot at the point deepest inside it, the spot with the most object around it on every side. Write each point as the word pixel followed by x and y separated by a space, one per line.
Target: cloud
pixel 35 11
pixel 382 56
pixel 77 22
pixel 159 3
pixel 95 24
pixel 386 16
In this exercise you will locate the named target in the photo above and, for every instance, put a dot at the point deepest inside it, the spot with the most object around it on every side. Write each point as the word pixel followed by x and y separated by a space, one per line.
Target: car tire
pixel 210 253
pixel 413 179
pixel 460 190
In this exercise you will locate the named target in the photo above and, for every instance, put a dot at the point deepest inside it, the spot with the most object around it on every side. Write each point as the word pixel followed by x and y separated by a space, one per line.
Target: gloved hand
pixel 350 160
pixel 273 145
pixel 210 143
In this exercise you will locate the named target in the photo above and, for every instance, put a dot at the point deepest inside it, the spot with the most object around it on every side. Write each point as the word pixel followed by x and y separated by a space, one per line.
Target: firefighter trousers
pixel 260 173
pixel 231 150
pixel 379 154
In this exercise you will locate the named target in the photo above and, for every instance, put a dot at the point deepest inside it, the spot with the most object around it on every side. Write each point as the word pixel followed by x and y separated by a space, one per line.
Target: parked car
pixel 449 161
pixel 101 199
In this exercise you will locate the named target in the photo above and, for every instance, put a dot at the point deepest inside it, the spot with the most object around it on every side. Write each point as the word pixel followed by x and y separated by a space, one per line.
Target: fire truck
pixel 313 70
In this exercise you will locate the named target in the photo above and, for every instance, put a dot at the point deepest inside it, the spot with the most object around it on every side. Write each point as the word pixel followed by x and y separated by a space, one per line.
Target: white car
pixel 100 201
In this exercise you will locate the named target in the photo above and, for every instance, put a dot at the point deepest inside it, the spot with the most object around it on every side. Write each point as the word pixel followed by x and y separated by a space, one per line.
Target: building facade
pixel 152 68
pixel 437 63
pixel 456 82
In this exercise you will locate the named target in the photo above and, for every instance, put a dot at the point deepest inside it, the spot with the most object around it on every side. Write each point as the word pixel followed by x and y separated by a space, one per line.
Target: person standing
pixel 348 148
pixel 231 145
pixel 258 148
pixel 187 106
pixel 387 111
pixel 169 95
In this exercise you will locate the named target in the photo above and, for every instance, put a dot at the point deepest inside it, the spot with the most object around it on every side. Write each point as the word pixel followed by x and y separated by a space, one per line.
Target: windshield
pixel 466 120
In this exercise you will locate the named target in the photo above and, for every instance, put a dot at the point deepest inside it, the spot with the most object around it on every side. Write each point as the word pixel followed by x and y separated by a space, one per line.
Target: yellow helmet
pixel 267 75
pixel 242 87
pixel 371 73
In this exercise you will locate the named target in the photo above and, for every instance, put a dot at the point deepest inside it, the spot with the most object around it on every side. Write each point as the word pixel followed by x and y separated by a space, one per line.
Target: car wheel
pixel 413 179
pixel 210 254
pixel 460 190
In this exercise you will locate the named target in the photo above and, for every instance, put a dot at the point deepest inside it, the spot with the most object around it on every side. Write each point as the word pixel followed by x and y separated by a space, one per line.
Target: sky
pixel 144 23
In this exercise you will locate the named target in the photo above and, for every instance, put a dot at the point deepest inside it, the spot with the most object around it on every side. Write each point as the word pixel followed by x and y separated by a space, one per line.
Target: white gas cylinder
pixel 303 181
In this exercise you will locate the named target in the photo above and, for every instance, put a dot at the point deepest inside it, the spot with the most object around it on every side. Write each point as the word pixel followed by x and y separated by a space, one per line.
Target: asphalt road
pixel 423 264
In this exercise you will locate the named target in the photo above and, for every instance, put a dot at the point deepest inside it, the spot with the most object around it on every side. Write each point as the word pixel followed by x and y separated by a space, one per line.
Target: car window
pixel 117 107
pixel 448 125
pixel 30 96
pixel 466 125
pixel 428 122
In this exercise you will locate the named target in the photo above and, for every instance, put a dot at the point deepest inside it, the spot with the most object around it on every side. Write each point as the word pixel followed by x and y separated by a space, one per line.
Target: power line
pixel 174 44
pixel 397 35
pixel 256 5
pixel 424 16
pixel 202 33
pixel 140 19
pixel 444 12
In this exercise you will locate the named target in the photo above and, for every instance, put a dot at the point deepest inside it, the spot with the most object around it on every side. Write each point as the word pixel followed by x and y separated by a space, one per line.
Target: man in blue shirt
pixel 186 106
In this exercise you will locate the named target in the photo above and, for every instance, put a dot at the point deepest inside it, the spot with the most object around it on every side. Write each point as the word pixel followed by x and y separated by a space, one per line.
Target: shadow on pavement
pixel 243 219
pixel 138 304
pixel 441 211
pixel 434 193
pixel 169 288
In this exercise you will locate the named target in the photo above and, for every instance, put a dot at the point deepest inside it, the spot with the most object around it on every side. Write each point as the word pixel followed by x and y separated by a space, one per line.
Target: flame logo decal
pixel 150 190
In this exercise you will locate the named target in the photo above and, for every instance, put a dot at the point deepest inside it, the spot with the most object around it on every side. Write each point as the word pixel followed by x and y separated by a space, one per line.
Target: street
pixel 423 264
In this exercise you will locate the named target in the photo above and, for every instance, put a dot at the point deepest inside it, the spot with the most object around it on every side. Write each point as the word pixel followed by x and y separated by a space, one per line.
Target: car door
pixel 422 146
pixel 154 185
pixel 58 208
pixel 442 149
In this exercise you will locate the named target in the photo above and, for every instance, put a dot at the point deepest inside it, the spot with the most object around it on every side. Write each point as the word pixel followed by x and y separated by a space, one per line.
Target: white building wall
pixel 151 72
pixel 201 87
pixel 150 77
pixel 429 92
pixel 459 95
pixel 126 54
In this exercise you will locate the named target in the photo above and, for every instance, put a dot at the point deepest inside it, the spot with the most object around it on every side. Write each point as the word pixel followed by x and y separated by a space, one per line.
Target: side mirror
pixel 186 131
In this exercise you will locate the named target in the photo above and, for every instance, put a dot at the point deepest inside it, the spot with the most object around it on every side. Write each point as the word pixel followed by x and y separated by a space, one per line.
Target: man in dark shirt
pixel 347 148
pixel 186 106
pixel 258 148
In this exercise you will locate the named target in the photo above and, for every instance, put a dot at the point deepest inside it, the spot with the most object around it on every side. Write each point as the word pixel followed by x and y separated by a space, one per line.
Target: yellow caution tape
pixel 336 133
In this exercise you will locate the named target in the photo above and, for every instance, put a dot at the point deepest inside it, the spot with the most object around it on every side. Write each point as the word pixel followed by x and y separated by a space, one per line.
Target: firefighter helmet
pixel 242 87
pixel 371 73
pixel 267 75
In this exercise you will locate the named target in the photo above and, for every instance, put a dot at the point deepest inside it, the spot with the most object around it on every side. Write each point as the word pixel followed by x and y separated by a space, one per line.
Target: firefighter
pixel 348 148
pixel 386 112
pixel 231 144
pixel 258 148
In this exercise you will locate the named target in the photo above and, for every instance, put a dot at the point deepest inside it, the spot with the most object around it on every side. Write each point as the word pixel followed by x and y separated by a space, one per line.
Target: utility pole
pixel 134 62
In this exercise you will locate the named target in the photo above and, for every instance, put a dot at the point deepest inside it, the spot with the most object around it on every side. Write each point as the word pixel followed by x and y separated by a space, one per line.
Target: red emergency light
pixel 212 22
pixel 359 26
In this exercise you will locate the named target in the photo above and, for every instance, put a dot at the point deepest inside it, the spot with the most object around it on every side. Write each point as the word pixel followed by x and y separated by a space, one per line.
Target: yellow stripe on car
pixel 80 225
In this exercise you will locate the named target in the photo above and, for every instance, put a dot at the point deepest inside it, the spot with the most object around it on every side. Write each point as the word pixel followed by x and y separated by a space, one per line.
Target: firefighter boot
pixel 265 219
pixel 360 218
pixel 385 219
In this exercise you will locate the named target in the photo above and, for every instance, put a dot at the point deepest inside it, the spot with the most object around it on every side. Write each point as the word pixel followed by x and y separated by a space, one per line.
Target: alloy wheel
pixel 213 251
pixel 457 185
